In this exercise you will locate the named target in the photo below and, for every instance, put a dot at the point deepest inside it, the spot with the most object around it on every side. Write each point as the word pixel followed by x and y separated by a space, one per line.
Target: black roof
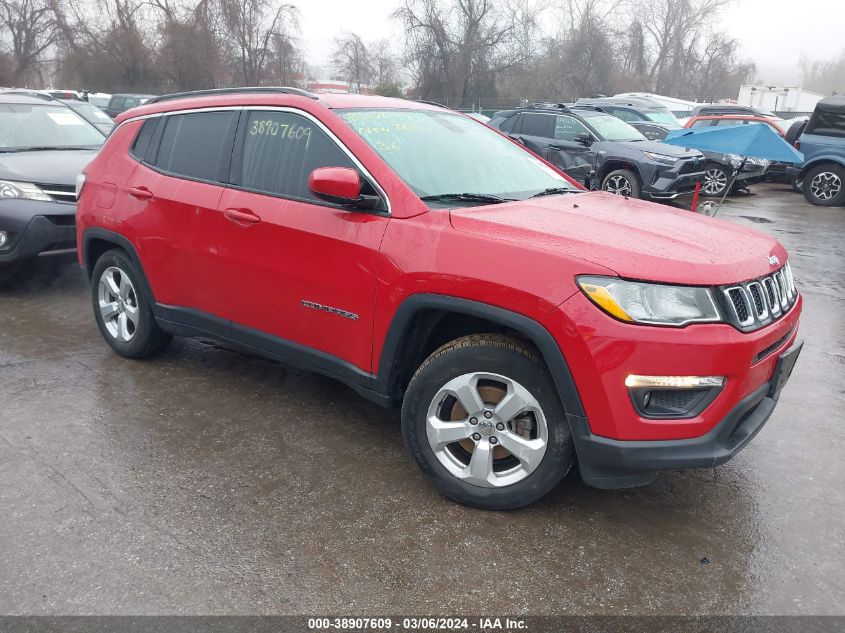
pixel 23 98
pixel 640 103
pixel 835 105
pixel 727 108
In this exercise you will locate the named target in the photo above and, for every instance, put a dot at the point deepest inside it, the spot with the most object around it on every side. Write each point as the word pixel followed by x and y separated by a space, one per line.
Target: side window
pixel 142 141
pixel 280 151
pixel 509 124
pixel 625 115
pixel 131 102
pixel 537 125
pixel 702 123
pixel 652 132
pixel 117 103
pixel 197 145
pixel 566 128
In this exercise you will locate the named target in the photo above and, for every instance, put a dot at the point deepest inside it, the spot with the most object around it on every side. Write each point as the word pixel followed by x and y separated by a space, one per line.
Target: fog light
pixel 4 237
pixel 674 382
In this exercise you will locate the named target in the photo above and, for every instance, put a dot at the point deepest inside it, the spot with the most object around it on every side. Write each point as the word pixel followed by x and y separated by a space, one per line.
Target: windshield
pixel 92 113
pixel 609 128
pixel 662 117
pixel 27 126
pixel 439 153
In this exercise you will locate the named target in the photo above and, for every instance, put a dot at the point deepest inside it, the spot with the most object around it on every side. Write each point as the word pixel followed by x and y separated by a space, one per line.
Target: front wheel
pixel 824 185
pixel 622 182
pixel 484 422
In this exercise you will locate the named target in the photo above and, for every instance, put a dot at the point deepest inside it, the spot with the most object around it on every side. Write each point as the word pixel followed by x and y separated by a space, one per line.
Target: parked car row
pixel 429 263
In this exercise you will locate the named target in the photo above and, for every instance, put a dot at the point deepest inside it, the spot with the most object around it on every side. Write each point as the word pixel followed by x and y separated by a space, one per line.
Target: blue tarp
pixel 753 140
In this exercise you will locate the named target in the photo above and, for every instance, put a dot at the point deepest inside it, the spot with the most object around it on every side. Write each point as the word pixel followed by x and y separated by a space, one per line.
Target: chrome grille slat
pixel 755 303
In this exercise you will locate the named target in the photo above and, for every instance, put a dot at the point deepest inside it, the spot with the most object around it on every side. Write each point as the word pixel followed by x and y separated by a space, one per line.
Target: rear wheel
pixel 484 422
pixel 622 182
pixel 122 312
pixel 824 185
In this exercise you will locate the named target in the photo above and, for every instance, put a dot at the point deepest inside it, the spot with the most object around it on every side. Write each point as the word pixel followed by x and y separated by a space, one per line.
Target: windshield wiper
pixel 466 197
pixel 553 191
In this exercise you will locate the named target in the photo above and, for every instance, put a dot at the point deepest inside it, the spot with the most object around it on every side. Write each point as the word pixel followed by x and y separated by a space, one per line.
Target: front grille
pixel 757 302
pixel 59 193
pixel 692 165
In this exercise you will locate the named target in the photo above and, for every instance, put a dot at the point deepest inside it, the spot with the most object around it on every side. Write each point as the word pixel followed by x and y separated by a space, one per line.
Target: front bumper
pixel 667 183
pixel 607 463
pixel 36 227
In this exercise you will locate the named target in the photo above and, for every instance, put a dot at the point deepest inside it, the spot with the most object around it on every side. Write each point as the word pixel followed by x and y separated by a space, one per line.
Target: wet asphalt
pixel 205 481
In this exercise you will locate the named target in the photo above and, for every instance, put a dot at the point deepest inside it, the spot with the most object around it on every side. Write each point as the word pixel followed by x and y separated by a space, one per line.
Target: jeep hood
pixel 53 167
pixel 633 238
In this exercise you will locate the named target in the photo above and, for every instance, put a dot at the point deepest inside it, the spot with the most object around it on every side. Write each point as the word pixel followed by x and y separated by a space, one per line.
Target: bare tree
pixel 29 28
pixel 188 54
pixel 454 48
pixel 351 58
pixel 104 45
pixel 251 28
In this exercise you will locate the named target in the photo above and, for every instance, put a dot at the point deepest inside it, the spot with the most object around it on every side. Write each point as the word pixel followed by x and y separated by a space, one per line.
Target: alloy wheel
pixel 715 181
pixel 118 304
pixel 825 185
pixel 618 185
pixel 487 430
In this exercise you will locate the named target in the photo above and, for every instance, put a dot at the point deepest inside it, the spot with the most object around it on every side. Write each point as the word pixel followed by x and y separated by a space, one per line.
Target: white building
pixel 778 99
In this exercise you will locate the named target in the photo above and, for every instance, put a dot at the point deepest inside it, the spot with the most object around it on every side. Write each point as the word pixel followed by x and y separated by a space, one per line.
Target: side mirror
pixel 340 185
pixel 584 138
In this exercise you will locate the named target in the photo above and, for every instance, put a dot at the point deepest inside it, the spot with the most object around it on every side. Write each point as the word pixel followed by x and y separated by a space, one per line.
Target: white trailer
pixel 778 99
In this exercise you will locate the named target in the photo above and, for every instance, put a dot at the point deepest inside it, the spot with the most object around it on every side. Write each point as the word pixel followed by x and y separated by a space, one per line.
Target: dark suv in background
pixel 654 121
pixel 822 176
pixel 123 102
pixel 601 151
pixel 43 147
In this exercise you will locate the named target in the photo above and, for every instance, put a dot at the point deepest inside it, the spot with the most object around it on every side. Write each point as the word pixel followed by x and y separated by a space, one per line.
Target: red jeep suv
pixel 428 261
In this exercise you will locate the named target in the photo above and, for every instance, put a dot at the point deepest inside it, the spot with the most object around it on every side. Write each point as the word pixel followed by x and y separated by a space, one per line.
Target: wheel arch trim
pixel 532 329
pixel 819 160
pixel 95 233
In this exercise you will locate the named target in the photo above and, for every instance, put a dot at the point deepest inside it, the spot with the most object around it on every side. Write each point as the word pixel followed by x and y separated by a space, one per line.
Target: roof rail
pixel 588 106
pixel 29 93
pixel 434 103
pixel 226 91
pixel 548 106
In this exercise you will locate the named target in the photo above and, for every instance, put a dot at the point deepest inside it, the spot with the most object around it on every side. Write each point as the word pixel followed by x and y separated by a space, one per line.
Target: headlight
pixel 10 189
pixel 661 158
pixel 80 183
pixel 652 304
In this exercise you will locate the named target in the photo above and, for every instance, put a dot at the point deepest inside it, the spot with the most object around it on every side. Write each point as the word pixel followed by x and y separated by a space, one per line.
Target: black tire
pixel 506 357
pixel 147 338
pixel 718 175
pixel 617 176
pixel 797 185
pixel 825 180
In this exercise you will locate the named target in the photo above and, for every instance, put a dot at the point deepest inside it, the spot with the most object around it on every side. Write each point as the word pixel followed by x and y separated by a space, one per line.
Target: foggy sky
pixel 773 33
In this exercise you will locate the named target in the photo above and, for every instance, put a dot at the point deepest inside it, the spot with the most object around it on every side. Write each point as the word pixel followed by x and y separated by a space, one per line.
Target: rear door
pixel 171 202
pixel 294 267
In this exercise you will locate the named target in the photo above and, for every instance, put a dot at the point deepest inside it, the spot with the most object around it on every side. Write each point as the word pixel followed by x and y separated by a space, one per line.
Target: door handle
pixel 142 193
pixel 241 216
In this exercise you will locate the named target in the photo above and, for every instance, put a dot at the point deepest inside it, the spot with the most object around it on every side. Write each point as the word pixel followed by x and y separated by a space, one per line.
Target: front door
pixel 298 274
